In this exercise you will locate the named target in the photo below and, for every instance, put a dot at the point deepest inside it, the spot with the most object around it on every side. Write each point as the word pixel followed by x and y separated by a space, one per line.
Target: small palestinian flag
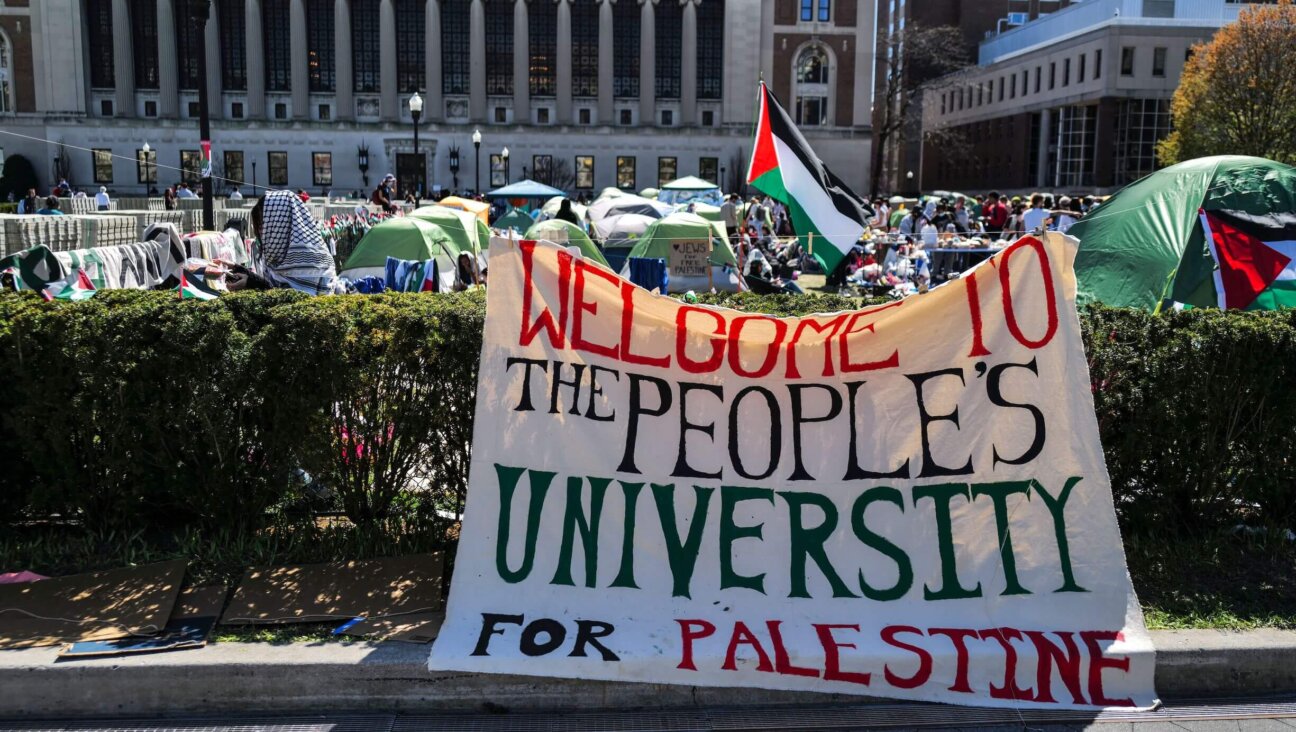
pixel 76 286
pixel 1255 256
pixel 785 168
pixel 193 286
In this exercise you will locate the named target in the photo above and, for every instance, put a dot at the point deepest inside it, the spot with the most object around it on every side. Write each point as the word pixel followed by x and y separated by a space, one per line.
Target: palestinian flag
pixel 193 286
pixel 76 286
pixel 1255 257
pixel 784 168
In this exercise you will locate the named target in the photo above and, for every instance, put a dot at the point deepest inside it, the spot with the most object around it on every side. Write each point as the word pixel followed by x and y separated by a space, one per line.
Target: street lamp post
pixel 200 12
pixel 504 157
pixel 476 138
pixel 416 111
pixel 254 185
pixel 148 177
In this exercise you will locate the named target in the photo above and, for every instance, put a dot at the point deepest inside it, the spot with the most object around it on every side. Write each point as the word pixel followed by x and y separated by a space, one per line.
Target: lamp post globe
pixel 476 138
pixel 504 156
pixel 416 111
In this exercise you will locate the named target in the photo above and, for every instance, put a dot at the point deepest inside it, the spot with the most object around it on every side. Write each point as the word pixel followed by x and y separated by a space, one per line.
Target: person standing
pixel 995 214
pixel 170 198
pixel 235 195
pixel 382 195
pixel 102 201
pixel 729 211
pixel 30 204
pixel 1036 216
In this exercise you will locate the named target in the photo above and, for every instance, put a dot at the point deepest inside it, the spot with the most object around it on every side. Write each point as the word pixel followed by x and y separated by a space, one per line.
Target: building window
pixel 1076 130
pixel 190 165
pixel 144 42
pixel 1127 61
pixel 812 87
pixel 321 58
pixel 236 110
pixel 366 49
pixel 233 41
pixel 625 50
pixel 193 110
pixel 1038 72
pixel 276 26
pixel 627 117
pixel 1025 81
pixel 146 166
pixel 1098 64
pixel 585 47
pixel 1139 125
pixel 501 115
pixel 1066 72
pixel 325 113
pixel 498 176
pixel 666 169
pixel 670 30
pixel 1052 74
pixel 1158 61
pixel 1001 88
pixel 542 31
pixel 542 116
pixel 585 171
pixel 233 160
pixel 103 166
pixel 667 118
pixel 807 10
pixel 1012 87
pixel 709 169
pixel 542 169
pixel 499 48
pixel 278 164
pixel 584 116
pixel 708 118
pixel 150 108
pixel 1080 72
pixel 281 110
pixel 710 48
pixel 411 61
pixel 625 170
pixel 825 10
pixel 99 20
pixel 322 168
pixel 105 105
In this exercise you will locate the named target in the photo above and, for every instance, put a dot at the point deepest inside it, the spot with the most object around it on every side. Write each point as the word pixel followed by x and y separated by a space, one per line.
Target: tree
pixel 1236 93
pixel 19 177
pixel 910 57
pixel 561 175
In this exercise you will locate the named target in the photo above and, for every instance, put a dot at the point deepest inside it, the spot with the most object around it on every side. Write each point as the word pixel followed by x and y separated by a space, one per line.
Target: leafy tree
pixel 1236 94
pixel 910 57
pixel 19 176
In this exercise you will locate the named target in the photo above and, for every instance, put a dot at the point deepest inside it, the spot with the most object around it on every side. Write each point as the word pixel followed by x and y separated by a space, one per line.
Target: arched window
pixel 710 48
pixel 499 48
pixel 542 25
pixel 410 37
pixel 6 93
pixel 670 32
pixel 144 41
pixel 812 85
pixel 625 49
pixel 585 47
pixel 99 21
pixel 276 32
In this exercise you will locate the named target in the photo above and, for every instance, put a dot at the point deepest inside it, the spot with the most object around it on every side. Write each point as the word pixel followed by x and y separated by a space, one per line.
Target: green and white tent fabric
pixel 475 233
pixel 550 209
pixel 412 238
pixel 658 239
pixel 622 230
pixel 567 234
pixel 785 168
pixel 1146 247
pixel 628 204
pixel 514 219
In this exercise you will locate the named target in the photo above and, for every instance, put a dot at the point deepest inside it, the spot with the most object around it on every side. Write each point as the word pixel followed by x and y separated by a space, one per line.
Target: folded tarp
pixel 192 620
pixel 117 603
pixel 316 593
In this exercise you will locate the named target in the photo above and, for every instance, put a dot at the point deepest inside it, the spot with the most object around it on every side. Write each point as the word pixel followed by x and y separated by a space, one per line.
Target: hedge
pixel 135 411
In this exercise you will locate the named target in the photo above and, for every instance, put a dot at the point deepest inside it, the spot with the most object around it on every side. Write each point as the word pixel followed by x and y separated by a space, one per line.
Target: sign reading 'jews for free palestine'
pixel 908 500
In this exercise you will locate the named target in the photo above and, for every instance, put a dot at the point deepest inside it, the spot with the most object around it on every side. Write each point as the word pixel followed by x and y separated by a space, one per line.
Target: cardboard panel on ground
pixel 192 620
pixel 413 628
pixel 324 592
pixel 117 603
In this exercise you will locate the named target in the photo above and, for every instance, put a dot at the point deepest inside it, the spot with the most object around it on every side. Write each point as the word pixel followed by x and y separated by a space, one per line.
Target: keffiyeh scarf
pixel 292 249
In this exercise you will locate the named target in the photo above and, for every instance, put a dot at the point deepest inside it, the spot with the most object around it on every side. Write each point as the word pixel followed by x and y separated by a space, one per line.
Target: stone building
pixel 315 94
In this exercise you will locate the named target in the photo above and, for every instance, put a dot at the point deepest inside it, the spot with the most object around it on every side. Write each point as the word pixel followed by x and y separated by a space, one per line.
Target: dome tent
pixel 467 231
pixel 567 234
pixel 406 237
pixel 1145 246
pixel 514 219
pixel 657 240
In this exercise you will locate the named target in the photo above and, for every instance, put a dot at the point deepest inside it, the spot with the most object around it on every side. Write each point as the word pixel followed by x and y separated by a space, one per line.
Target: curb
pixel 394 677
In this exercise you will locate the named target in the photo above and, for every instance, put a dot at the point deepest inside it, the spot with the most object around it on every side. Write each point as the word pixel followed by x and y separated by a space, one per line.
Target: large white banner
pixel 907 500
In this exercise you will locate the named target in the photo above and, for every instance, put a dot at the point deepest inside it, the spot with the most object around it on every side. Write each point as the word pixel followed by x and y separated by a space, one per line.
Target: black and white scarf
pixel 292 251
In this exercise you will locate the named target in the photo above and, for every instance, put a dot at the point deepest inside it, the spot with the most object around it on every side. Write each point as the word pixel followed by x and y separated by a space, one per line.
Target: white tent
pixel 628 204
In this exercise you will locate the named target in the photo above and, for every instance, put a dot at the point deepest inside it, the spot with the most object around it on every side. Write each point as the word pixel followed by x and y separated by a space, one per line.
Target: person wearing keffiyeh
pixel 291 252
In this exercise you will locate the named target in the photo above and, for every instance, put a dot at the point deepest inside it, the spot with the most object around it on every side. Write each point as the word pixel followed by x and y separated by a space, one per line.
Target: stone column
pixel 168 62
pixel 390 99
pixel 522 62
pixel 123 60
pixel 767 42
pixel 256 85
pixel 343 75
pixel 434 105
pixel 477 61
pixel 1042 170
pixel 216 106
pixel 605 62
pixel 564 63
pixel 648 62
pixel 688 66
pixel 299 81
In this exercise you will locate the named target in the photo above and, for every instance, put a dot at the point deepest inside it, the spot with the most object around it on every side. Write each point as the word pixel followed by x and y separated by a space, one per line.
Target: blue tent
pixel 525 189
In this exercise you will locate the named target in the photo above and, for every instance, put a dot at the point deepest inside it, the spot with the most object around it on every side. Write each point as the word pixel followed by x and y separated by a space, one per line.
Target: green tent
pixel 656 244
pixel 467 232
pixel 567 234
pixel 404 237
pixel 1144 247
pixel 514 219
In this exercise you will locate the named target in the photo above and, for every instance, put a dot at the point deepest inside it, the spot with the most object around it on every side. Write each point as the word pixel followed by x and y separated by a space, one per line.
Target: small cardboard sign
pixel 690 258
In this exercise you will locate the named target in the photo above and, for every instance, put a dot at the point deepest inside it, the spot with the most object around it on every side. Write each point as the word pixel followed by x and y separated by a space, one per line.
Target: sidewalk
pixel 394 677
